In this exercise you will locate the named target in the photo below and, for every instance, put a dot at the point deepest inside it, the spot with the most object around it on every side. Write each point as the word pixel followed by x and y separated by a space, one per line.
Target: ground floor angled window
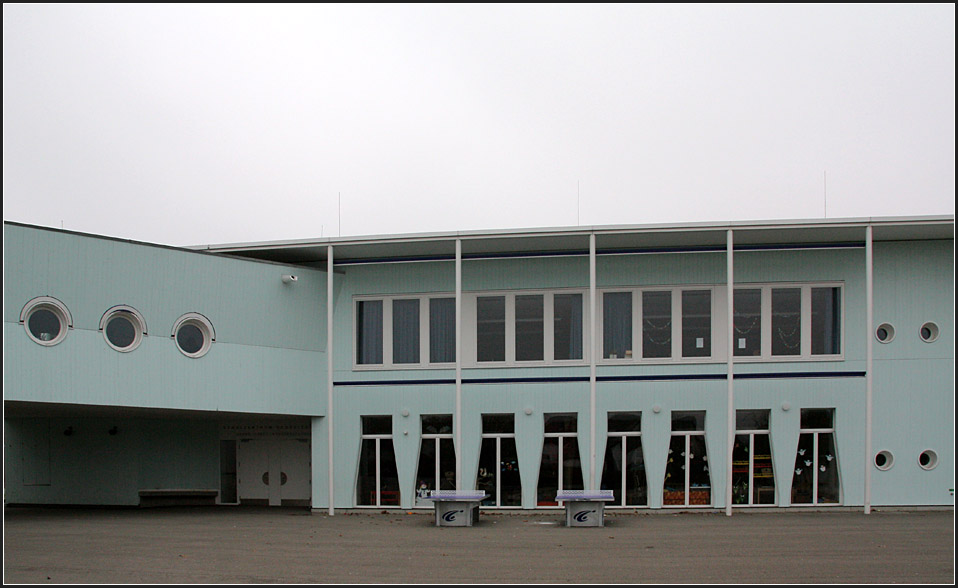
pixel 437 458
pixel 623 469
pixel 561 467
pixel 753 481
pixel 498 474
pixel 687 479
pixel 378 480
pixel 815 479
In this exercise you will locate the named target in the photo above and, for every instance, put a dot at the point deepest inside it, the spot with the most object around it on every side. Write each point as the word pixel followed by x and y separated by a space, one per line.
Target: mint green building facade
pixel 724 366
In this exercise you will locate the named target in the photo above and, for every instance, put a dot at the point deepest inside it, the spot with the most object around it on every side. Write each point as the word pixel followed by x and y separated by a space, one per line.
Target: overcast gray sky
pixel 199 124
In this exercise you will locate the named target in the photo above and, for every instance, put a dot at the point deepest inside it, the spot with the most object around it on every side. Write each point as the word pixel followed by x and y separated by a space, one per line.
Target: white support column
pixel 592 347
pixel 458 419
pixel 729 344
pixel 329 368
pixel 869 327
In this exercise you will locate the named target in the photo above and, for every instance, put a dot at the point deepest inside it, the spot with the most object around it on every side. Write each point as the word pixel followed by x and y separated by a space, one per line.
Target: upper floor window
pixel 46 320
pixel 801 321
pixel 405 331
pixel 519 328
pixel 657 324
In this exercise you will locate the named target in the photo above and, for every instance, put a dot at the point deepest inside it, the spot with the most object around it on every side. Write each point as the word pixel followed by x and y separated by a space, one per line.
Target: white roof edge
pixel 581 230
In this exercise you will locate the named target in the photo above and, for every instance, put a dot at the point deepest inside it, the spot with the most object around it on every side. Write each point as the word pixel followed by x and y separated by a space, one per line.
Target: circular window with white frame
pixel 46 320
pixel 929 332
pixel 884 460
pixel 123 328
pixel 193 334
pixel 928 459
pixel 885 333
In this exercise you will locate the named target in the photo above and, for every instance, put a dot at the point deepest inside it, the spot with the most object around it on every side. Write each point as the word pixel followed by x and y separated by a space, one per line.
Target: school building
pixel 708 365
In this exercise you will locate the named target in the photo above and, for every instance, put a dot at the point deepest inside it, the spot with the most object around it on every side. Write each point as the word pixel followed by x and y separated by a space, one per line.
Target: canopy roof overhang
pixel 609 240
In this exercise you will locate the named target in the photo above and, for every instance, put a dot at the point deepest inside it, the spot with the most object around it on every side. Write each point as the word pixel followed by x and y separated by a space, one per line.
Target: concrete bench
pixel 584 508
pixel 457 508
pixel 178 496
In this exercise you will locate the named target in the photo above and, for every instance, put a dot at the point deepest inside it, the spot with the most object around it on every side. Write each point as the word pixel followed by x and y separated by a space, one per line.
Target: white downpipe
pixel 592 448
pixel 729 343
pixel 458 420
pixel 869 309
pixel 329 368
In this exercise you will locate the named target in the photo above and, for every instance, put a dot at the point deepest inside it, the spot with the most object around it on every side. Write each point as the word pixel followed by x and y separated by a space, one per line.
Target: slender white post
pixel 869 327
pixel 729 344
pixel 458 419
pixel 592 346
pixel 329 368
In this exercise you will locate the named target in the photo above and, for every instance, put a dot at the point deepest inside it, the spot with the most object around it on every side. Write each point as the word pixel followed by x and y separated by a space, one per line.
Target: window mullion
pixel 387 332
pixel 676 298
pixel 637 334
pixel 548 327
pixel 806 321
pixel 510 352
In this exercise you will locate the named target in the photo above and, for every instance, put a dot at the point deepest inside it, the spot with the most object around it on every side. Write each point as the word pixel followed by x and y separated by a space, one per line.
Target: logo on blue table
pixel 582 516
pixel 451 515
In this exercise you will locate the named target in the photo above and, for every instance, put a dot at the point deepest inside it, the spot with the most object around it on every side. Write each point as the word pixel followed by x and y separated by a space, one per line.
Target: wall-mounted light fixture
pixel 290 279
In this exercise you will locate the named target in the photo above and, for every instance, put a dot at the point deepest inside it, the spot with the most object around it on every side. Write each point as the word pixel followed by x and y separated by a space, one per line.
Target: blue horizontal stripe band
pixel 661 377
pixel 644 378
pixel 542 380
pixel 779 375
pixel 395 382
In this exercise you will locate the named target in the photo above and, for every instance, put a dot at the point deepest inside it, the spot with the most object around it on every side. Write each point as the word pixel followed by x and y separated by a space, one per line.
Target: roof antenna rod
pixel 577 203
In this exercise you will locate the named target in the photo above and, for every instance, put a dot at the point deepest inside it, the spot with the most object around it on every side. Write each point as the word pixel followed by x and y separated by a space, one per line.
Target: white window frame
pixel 499 437
pixel 200 322
pixel 623 436
pixel 559 436
pixel 424 316
pixel 816 433
pixel 637 323
pixel 136 319
pixel 436 438
pixel 471 337
pixel 687 470
pixel 50 304
pixel 806 323
pixel 751 462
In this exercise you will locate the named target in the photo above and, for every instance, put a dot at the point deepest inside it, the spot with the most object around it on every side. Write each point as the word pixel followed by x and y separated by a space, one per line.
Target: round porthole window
pixel 928 332
pixel 928 459
pixel 123 328
pixel 884 460
pixel 46 320
pixel 193 334
pixel 885 333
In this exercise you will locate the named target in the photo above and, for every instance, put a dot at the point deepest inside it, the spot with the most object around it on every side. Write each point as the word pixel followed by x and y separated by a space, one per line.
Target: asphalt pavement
pixel 259 545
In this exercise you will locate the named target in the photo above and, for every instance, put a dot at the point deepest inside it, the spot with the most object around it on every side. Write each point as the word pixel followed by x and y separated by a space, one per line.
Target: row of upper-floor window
pixel 648 325
pixel 47 322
